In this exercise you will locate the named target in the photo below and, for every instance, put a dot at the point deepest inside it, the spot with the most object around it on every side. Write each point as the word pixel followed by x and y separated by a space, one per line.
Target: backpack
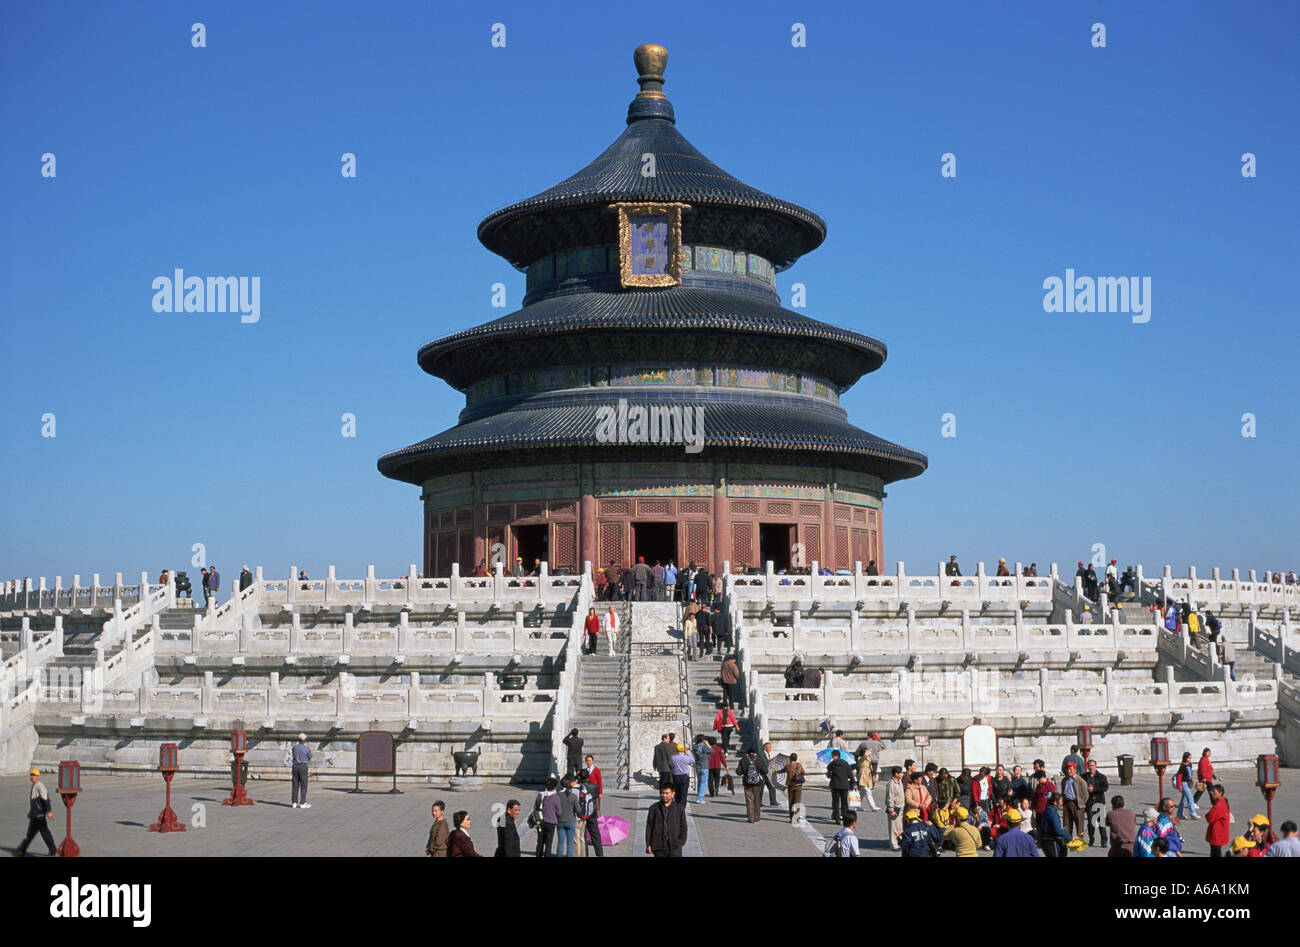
pixel 832 849
pixel 586 803
pixel 751 776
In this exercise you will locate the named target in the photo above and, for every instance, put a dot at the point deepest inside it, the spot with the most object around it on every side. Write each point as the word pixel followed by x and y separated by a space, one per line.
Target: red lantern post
pixel 1267 780
pixel 69 787
pixel 1160 760
pixel 238 746
pixel 1083 737
pixel 168 764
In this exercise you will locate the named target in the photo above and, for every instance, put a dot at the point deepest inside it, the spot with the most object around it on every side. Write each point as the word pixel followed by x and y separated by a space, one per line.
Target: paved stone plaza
pixel 113 814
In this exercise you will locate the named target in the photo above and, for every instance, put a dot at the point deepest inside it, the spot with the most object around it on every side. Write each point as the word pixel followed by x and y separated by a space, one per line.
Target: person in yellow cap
pixel 1261 833
pixel 1242 847
pixel 1002 567
pixel 965 838
pixel 39 813
pixel 1012 841
pixel 681 763
pixel 919 839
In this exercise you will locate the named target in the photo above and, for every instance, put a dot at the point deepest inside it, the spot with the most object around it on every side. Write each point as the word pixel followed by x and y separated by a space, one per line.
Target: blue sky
pixel 1072 428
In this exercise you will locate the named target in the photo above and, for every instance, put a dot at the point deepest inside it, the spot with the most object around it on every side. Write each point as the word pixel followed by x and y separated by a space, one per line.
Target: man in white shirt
pixel 847 840
pixel 1288 846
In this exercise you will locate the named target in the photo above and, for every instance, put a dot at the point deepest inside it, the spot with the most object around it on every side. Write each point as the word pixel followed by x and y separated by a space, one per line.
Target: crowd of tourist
pixel 660 582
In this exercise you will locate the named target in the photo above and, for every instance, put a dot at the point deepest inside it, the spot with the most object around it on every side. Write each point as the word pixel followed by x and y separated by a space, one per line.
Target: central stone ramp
pixel 658 703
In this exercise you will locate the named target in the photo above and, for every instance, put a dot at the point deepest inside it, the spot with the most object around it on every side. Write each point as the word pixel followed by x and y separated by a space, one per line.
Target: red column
pixel 828 530
pixel 478 520
pixel 587 544
pixel 721 518
pixel 880 539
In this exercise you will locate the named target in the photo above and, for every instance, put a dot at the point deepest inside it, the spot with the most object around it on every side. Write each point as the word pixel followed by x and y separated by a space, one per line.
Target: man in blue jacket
pixel 1051 833
pixel 1014 843
pixel 919 839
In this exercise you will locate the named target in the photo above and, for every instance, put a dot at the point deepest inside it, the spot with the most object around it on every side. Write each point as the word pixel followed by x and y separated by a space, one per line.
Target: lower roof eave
pixel 419 462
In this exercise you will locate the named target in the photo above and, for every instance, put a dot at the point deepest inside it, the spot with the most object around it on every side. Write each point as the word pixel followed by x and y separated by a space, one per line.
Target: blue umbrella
pixel 825 755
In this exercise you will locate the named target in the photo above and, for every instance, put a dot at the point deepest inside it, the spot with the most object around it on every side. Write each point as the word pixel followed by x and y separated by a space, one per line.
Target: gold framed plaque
pixel 979 746
pixel 650 243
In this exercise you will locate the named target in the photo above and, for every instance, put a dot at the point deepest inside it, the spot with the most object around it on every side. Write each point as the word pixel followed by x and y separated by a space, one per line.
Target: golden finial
pixel 651 59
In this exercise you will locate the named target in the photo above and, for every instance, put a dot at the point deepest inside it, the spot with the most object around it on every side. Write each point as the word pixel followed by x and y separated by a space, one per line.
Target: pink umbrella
pixel 612 829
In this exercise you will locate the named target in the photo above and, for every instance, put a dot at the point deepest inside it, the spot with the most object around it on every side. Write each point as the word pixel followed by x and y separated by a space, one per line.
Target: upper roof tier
pixel 724 211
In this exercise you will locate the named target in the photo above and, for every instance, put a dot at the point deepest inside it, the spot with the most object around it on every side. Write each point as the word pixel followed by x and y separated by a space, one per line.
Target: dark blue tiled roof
pixel 842 355
pixel 778 230
pixel 759 424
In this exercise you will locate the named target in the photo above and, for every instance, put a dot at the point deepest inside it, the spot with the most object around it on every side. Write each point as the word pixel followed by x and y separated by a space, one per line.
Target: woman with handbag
pixel 794 780
pixel 1204 774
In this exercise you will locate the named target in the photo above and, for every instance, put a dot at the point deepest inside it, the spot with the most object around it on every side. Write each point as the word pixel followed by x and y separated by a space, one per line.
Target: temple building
pixel 652 397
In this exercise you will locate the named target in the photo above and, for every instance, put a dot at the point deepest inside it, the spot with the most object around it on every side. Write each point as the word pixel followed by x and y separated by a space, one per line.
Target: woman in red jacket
pixel 1043 792
pixel 1216 827
pixel 718 769
pixel 724 721
pixel 591 632
pixel 458 841
pixel 1204 773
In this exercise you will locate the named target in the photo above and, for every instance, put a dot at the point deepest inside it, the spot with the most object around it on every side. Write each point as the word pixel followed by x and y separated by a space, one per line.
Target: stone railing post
pixel 462 634
pixel 413 708
pixel 295 633
pixel 911 629
pixel 94 589
pixel 410 584
pixel 1169 686
pixel 796 632
pixel 331 593
pixel 1108 678
pixel 58 637
pixel 207 698
pixel 1043 689
pixel 348 628
pixel 370 584
pixel 403 631
pixel 273 695
pixel 25 638
pixel 904 692
pixel 967 630
pixel 769 579
pixel 293 584
pixel 342 694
